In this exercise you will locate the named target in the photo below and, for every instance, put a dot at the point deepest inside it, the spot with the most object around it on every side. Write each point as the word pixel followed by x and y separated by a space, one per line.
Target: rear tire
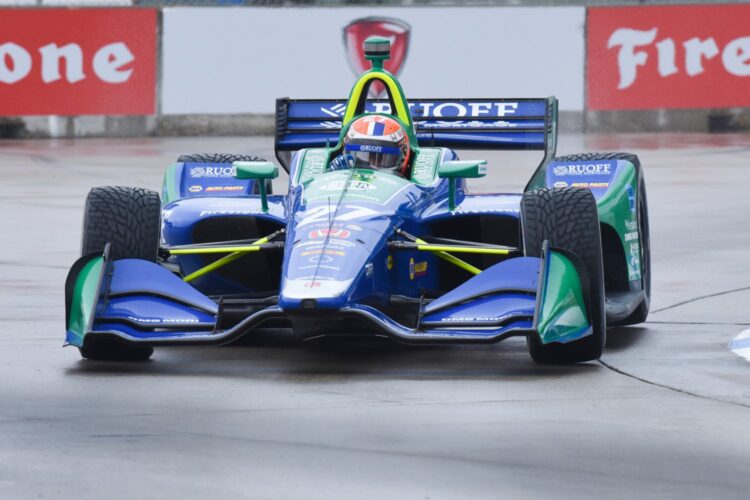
pixel 568 218
pixel 129 220
pixel 225 158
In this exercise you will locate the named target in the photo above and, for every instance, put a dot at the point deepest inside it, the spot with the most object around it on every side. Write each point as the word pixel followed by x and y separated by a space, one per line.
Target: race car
pixel 405 252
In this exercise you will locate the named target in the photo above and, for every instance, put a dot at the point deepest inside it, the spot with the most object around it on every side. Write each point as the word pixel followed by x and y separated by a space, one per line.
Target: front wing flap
pixel 142 302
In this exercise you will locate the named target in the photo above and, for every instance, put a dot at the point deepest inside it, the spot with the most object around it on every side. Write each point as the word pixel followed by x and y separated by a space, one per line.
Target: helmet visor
pixel 374 155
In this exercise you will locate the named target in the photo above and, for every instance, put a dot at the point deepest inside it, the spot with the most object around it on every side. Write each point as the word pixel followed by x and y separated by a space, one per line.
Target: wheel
pixel 225 158
pixel 569 220
pixel 641 312
pixel 129 220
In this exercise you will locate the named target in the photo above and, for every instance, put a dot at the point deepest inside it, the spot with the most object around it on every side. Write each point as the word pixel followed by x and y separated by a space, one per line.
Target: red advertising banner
pixel 77 61
pixel 688 56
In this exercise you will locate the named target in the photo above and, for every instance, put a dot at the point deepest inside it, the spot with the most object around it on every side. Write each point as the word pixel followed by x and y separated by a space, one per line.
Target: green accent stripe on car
pixel 85 297
pixel 561 314
pixel 617 209
pixel 313 163
pixel 170 190
pixel 425 167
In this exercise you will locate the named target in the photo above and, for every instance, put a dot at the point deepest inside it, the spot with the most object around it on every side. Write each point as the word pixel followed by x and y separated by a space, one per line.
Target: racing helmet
pixel 378 142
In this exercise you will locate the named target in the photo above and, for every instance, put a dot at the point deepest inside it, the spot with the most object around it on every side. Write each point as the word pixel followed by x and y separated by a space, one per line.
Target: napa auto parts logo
pixel 685 56
pixel 78 61
pixel 395 30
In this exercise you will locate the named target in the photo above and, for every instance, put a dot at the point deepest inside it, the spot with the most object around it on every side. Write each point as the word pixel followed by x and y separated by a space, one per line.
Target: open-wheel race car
pixel 378 235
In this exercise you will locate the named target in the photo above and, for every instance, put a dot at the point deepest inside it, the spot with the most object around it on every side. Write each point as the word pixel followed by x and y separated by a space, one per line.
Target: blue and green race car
pixel 415 258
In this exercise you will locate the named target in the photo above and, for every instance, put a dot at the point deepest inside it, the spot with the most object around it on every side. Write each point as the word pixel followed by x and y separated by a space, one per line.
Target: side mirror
pixel 260 171
pixel 465 169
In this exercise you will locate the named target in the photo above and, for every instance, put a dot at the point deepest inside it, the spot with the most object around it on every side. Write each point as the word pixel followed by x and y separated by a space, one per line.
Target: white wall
pixel 239 60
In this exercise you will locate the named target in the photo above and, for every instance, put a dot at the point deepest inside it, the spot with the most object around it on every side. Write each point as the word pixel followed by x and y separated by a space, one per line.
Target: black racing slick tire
pixel 129 220
pixel 568 218
pixel 224 158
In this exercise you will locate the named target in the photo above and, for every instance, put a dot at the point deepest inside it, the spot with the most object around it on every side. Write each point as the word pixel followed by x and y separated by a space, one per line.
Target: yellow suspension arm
pixel 450 258
pixel 235 252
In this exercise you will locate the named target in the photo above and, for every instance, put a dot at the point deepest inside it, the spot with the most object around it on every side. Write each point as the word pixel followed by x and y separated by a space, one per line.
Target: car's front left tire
pixel 129 219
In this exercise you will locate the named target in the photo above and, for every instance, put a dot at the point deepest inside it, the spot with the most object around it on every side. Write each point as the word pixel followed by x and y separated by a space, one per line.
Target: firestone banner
pixel 77 61
pixel 690 56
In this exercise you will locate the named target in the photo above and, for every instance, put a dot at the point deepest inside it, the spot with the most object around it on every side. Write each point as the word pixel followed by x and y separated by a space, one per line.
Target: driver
pixel 376 142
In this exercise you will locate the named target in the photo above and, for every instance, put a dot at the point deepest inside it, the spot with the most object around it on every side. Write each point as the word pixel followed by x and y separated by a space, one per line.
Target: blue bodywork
pixel 336 275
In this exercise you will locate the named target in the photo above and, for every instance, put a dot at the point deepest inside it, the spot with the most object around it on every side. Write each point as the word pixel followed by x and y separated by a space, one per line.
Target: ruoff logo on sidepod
pixel 583 169
pixel 357 31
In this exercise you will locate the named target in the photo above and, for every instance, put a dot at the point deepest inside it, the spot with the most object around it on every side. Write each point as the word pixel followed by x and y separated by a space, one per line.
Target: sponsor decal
pixel 389 262
pixel 417 269
pixel 346 213
pixel 224 188
pixel 331 242
pixel 440 109
pixel 490 210
pixel 631 236
pixel 679 56
pixel 469 319
pixel 320 259
pixel 634 272
pixel 326 252
pixel 631 198
pixel 352 185
pixel 560 184
pixel 212 172
pixel 313 164
pixel 209 213
pixel 631 225
pixel 312 284
pixel 333 233
pixel 172 321
pixel 420 268
pixel 368 270
pixel 78 62
pixel 195 189
pixel 425 166
pixel 582 169
pixel 591 185
pixel 395 30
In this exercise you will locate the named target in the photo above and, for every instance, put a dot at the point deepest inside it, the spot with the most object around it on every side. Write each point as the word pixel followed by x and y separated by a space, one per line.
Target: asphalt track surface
pixel 664 414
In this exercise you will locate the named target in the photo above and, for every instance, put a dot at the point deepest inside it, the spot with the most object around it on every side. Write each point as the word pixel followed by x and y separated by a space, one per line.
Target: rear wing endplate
pixel 494 124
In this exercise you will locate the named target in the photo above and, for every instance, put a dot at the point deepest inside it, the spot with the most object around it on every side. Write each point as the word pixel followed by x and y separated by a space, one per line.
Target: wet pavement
pixel 665 414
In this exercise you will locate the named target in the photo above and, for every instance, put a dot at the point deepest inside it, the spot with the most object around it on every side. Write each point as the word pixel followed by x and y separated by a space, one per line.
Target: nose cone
pixel 328 264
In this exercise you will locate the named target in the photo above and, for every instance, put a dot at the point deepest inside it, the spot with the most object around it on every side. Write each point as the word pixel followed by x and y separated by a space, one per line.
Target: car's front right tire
pixel 568 219
pixel 129 219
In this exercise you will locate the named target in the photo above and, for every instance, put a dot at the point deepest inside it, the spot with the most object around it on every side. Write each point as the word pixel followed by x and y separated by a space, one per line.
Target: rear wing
pixel 496 124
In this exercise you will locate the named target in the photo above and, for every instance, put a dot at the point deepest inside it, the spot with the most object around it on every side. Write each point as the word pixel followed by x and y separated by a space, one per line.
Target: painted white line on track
pixel 741 344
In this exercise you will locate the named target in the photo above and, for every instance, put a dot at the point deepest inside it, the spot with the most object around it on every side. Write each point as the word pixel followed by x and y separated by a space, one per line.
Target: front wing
pixel 140 302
